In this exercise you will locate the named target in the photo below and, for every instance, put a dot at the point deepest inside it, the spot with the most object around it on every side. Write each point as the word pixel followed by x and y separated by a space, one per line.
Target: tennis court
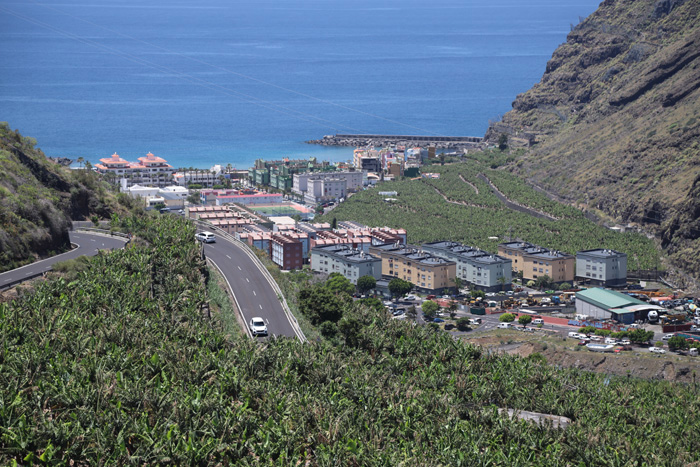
pixel 285 209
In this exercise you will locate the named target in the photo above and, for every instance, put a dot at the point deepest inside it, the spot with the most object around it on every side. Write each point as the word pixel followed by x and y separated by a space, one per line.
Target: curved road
pixel 252 292
pixel 88 244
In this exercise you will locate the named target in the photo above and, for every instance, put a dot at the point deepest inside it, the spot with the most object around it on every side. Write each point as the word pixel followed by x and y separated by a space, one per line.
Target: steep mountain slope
pixel 38 199
pixel 615 120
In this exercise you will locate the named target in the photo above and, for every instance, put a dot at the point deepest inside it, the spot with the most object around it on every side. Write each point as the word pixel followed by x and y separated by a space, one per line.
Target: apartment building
pixel 429 274
pixel 285 252
pixel 326 186
pixel 149 170
pixel 477 268
pixel 535 261
pixel 607 268
pixel 346 260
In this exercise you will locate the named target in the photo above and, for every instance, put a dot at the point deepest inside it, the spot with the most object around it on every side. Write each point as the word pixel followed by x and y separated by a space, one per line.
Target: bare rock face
pixel 617 114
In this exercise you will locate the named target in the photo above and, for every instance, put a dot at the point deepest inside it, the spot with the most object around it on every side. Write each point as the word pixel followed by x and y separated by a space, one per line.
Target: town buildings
pixel 429 274
pixel 278 174
pixel 172 197
pixel 318 188
pixel 286 252
pixel 534 261
pixel 476 268
pixel 602 267
pixel 149 170
pixel 346 260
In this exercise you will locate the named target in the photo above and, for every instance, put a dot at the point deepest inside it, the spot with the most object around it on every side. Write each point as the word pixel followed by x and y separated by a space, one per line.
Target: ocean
pixel 227 82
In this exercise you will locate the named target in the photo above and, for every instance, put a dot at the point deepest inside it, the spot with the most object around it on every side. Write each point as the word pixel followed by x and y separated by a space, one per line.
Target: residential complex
pixel 428 273
pixel 278 174
pixel 535 261
pixel 343 259
pixel 149 170
pixel 327 186
pixel 476 268
pixel 601 267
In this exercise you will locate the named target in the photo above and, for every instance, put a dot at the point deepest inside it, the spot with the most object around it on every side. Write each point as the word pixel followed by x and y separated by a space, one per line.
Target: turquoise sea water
pixel 215 81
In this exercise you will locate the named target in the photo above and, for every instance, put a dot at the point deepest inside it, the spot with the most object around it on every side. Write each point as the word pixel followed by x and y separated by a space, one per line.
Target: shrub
pixel 463 324
pixel 507 318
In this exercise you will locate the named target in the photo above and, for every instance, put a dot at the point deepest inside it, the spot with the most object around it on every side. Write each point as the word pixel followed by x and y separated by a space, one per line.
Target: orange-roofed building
pixel 148 171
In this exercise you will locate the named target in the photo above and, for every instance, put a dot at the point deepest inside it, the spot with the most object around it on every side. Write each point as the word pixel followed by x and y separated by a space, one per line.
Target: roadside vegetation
pixel 124 366
pixel 449 208
pixel 39 197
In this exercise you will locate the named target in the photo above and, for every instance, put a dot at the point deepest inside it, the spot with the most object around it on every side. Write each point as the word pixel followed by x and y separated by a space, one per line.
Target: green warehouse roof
pixel 607 299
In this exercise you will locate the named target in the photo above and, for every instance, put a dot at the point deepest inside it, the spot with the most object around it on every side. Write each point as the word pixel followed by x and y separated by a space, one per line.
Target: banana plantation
pixel 460 206
pixel 123 366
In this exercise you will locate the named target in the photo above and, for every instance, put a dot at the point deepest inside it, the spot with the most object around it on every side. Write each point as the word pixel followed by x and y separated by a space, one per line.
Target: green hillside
pixel 121 366
pixel 460 206
pixel 616 120
pixel 38 199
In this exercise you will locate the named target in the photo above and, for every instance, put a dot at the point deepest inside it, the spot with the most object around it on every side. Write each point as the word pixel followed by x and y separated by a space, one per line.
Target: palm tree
pixel 80 161
pixel 502 280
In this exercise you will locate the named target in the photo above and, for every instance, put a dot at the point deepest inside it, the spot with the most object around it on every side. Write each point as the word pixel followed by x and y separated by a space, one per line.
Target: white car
pixel 206 237
pixel 491 294
pixel 656 350
pixel 667 336
pixel 625 342
pixel 409 297
pixel 258 327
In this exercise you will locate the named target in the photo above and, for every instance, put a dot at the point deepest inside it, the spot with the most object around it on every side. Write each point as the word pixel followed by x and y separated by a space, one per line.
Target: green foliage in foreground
pixel 121 367
pixel 460 206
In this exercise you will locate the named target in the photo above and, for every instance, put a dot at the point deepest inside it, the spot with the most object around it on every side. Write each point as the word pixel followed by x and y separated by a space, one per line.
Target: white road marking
pixel 29 274
pixel 260 306
pixel 267 321
pixel 230 258
pixel 239 268
pixel 255 293
pixel 247 279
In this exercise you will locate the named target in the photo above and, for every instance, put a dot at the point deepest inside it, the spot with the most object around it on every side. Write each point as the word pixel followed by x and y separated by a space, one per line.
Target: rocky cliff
pixel 615 120
pixel 38 199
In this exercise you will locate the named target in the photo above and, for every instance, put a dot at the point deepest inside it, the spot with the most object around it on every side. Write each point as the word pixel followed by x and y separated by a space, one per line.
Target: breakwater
pixel 439 142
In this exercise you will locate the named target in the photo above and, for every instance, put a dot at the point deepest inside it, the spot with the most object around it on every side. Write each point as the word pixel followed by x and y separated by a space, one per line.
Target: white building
pixel 607 268
pixel 204 177
pixel 345 260
pixel 478 268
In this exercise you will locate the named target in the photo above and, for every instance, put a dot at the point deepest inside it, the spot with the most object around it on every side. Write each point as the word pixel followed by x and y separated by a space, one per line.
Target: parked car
pixel 164 210
pixel 438 320
pixel 656 350
pixel 582 343
pixel 668 336
pixel 206 237
pixel 503 325
pixel 258 327
pixel 491 294
pixel 537 321
pixel 625 342
pixel 410 297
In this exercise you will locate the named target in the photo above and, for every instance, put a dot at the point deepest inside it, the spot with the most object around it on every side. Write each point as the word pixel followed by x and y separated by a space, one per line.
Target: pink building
pixel 149 170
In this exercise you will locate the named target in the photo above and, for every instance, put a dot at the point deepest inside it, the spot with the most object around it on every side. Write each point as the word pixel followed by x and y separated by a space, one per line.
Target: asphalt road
pixel 88 244
pixel 253 294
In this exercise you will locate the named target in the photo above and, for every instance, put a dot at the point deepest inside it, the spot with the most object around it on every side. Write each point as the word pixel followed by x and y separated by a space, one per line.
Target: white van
pixel 537 321
pixel 503 325
pixel 573 334
pixel 206 237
